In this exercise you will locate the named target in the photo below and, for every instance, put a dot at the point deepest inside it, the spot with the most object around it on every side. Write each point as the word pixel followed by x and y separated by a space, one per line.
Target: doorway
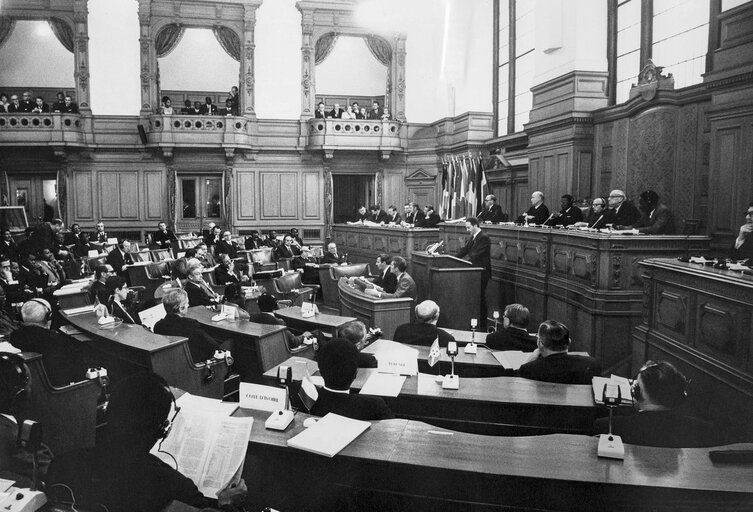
pixel 200 200
pixel 37 193
pixel 349 192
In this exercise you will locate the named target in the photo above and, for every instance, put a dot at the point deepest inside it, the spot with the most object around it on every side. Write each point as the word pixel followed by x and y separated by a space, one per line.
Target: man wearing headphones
pixel 64 358
pixel 120 473
pixel 657 392
pixel 550 362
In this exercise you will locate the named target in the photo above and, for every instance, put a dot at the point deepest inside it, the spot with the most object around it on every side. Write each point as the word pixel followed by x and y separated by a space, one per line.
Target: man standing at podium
pixel 478 251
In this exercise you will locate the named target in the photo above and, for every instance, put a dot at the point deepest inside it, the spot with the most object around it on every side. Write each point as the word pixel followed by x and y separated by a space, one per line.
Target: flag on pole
pixel 434 352
pixel 308 393
pixel 483 187
pixel 443 213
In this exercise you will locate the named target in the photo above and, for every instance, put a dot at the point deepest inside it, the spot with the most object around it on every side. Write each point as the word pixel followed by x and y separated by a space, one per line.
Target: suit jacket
pixel 666 429
pixel 201 344
pixel 416 219
pixel 163 239
pixel 406 287
pixel 336 114
pixel 9 250
pixel 600 220
pixel 431 221
pixel 128 316
pixel 660 222
pixel 567 217
pixel 283 252
pixel 44 108
pixel 376 114
pixel 329 258
pixel 224 247
pixel 745 251
pixel 387 280
pixel 478 251
pixel 117 259
pixel 627 215
pixel 562 368
pixel 98 237
pixel 222 275
pixel 511 338
pixel 33 278
pixel 319 114
pixel 380 217
pixel 65 359
pixel 55 273
pixel 351 405
pixel 26 105
pixel 292 340
pixel 98 291
pixel 422 334
pixel 540 215
pixel 208 110
pixel 199 295
pixel 494 214
pixel 251 244
pixel 396 219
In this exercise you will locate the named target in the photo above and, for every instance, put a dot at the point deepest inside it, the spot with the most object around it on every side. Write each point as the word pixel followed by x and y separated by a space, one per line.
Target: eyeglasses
pixel 748 213
pixel 615 196
pixel 597 204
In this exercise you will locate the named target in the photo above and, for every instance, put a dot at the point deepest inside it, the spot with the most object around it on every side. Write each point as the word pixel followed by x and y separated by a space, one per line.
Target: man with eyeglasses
pixel 599 217
pixel 14 106
pixel 26 104
pixel 743 248
pixel 624 213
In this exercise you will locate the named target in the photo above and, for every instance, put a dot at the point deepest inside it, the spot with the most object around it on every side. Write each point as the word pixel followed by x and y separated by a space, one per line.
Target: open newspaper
pixel 208 445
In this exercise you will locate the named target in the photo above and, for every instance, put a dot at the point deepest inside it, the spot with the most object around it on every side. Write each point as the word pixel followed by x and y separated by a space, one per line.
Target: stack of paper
pixel 383 384
pixel 329 435
pixel 598 383
pixel 512 359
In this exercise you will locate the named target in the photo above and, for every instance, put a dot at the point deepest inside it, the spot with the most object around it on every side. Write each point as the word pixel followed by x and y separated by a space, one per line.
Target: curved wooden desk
pixel 129 348
pixel 387 314
pixel 408 465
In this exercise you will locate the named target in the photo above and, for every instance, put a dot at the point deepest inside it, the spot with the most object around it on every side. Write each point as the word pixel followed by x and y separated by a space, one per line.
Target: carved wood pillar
pixel 81 55
pixel 149 92
pixel 247 78
pixel 397 72
pixel 308 89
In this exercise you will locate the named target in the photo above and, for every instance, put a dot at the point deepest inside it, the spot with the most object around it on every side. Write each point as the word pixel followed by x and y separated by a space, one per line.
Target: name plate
pixel 112 241
pixel 93 253
pixel 229 312
pixel 261 398
pixel 398 363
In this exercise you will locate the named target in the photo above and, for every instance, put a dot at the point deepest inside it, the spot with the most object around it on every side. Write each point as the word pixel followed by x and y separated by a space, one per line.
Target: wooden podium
pixel 387 314
pixel 451 282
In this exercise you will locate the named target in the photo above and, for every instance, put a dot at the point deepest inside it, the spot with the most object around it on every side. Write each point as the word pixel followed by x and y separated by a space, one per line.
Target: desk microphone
pixel 451 381
pixel 610 445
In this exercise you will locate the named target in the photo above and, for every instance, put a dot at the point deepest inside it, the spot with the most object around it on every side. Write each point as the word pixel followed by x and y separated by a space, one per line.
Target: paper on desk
pixel 598 384
pixel 393 357
pixel 150 316
pixel 329 435
pixel 7 347
pixel 193 403
pixel 383 384
pixel 77 311
pixel 512 359
pixel 318 380
pixel 209 449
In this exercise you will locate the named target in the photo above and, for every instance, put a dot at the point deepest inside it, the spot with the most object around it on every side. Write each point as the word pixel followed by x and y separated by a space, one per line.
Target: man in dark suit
pixel 478 251
pixel 393 215
pixel 431 218
pixel 208 109
pixel 338 366
pixel 657 391
pixel 377 215
pixel 355 332
pixel 568 215
pixel 229 274
pixel 163 237
pixel 8 247
pixel 287 250
pixel 226 246
pixel 26 104
pixel 175 323
pixel 69 106
pixel 656 218
pixel 376 111
pixel 14 105
pixel 253 241
pixel 336 112
pixel 514 334
pixel 415 216
pixel 492 212
pixel 119 257
pixel 199 292
pixel 599 217
pixel 31 276
pixel 386 279
pixel 538 213
pixel 361 214
pixel 743 247
pixel 406 286
pixel 213 237
pixel 65 359
pixel 332 256
pixel 40 106
pixel 550 362
pixel 100 235
pixel 624 213
pixel 320 113
pixel 97 290
pixel 424 330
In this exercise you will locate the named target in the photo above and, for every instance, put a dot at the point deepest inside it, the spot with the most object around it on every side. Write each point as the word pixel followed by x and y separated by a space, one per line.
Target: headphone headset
pixel 46 306
pixel 636 389
pixel 16 383
pixel 164 427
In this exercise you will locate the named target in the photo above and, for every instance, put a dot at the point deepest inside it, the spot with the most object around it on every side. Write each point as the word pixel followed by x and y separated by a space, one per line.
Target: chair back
pixel 287 283
pixel 328 277
pixel 355 270
pixel 157 270
pixel 160 254
pixel 140 256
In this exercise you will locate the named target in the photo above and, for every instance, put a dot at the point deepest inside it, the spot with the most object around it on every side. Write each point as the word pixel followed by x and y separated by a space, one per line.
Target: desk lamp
pixel 470 348
pixel 610 445
pixel 451 381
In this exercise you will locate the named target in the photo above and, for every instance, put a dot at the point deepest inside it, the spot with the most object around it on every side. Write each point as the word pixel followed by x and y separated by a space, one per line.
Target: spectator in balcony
pixel 70 106
pixel 186 107
pixel 336 112
pixel 59 102
pixel 229 109
pixel 364 113
pixel 26 104
pixel 208 109
pixel 3 102
pixel 376 111
pixel 167 106
pixel 196 110
pixel 320 113
pixel 386 115
pixel 356 111
pixel 14 105
pixel 348 114
pixel 234 102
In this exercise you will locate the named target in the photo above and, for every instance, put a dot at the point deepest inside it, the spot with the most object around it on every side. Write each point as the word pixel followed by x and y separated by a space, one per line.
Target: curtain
pixel 63 32
pixel 324 46
pixel 62 194
pixel 6 28
pixel 167 39
pixel 379 48
pixel 229 41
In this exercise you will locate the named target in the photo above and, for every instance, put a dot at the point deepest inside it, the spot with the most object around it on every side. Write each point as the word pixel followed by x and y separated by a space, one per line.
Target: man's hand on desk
pixel 232 496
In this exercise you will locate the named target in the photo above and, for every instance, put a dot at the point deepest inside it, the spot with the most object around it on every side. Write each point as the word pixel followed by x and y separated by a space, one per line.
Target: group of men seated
pixel 353 111
pixel 63 103
pixel 208 108
pixel 616 211
pixel 414 215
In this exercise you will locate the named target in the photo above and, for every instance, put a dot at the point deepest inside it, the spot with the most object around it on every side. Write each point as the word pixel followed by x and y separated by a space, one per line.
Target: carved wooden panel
pixel 154 196
pixel 279 195
pixel 687 159
pixel 128 183
pixel 83 200
pixel 722 329
pixel 534 256
pixel 671 311
pixel 312 198
pixel 651 156
pixel 620 152
pixel 727 167
pixel 118 195
pixel 246 185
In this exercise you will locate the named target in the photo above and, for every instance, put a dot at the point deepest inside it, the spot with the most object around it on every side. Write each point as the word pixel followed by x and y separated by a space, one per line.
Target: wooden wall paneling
pixel 128 188
pixel 245 184
pixel 311 186
pixel 546 172
pixel 395 192
pixel 109 195
pixel 726 168
pixel 279 195
pixel 423 196
pixel 582 179
pixel 534 178
pixel 562 181
pixel 651 153
pixel 289 195
pixel 82 196
pixel 154 196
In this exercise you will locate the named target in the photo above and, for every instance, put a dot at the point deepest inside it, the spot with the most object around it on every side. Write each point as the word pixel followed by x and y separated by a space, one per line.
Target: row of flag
pixel 463 186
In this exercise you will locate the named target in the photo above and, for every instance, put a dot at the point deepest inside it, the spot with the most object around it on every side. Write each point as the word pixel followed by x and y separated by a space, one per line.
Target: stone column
pixel 308 89
pixel 398 78
pixel 148 74
pixel 247 78
pixel 81 55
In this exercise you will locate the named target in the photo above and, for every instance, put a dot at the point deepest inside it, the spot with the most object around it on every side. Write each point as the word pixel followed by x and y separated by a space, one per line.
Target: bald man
pixel 623 212
pixel 492 212
pixel 424 330
pixel 538 213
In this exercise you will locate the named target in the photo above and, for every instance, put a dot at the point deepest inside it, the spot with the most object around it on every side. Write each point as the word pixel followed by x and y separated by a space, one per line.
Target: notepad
pixel 330 435
pixel 383 384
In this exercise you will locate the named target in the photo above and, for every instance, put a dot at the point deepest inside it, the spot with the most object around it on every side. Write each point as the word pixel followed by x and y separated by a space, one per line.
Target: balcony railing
pixel 229 132
pixel 46 129
pixel 329 135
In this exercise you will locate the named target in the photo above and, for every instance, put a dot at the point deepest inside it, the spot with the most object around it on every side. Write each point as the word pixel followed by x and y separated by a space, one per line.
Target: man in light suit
pixel 478 251
pixel 406 286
